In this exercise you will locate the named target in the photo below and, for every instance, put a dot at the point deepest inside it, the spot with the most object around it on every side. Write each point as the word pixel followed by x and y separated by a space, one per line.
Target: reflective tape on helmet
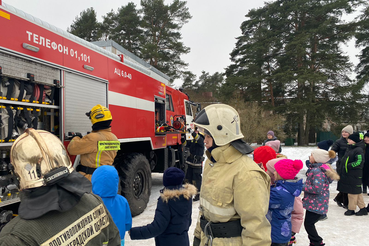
pixel 108 145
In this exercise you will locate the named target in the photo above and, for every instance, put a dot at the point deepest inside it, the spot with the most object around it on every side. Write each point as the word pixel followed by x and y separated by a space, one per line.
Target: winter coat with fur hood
pixel 316 188
pixel 235 187
pixel 172 217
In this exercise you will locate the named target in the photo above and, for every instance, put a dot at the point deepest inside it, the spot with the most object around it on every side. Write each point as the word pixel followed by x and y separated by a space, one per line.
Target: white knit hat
pixel 348 129
pixel 322 156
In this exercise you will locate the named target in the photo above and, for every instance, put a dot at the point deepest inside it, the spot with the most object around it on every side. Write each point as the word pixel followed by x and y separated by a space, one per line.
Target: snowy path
pixel 337 230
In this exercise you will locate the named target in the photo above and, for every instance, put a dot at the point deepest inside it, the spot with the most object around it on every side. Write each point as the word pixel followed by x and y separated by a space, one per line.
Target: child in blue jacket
pixel 316 191
pixel 282 197
pixel 173 212
pixel 105 183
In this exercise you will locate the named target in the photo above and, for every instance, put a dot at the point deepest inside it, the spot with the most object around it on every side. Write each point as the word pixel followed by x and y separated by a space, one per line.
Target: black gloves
pixel 194 134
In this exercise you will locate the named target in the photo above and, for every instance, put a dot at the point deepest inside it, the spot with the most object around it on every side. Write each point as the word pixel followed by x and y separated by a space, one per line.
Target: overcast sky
pixel 210 33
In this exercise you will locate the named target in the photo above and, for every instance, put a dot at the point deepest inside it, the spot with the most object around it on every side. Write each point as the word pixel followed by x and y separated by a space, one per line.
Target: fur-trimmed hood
pixel 187 191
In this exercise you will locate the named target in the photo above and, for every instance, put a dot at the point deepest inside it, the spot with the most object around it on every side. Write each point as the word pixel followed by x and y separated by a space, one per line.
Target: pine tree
pixel 162 46
pixel 124 27
pixel 86 26
pixel 289 55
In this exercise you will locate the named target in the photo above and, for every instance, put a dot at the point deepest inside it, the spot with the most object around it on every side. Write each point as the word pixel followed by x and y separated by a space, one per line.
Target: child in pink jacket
pixel 297 216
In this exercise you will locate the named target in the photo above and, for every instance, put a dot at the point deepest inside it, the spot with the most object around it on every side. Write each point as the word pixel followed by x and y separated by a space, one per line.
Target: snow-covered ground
pixel 337 230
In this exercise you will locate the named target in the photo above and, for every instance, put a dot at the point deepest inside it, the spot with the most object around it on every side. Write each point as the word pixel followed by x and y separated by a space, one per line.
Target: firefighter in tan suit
pixel 97 148
pixel 234 196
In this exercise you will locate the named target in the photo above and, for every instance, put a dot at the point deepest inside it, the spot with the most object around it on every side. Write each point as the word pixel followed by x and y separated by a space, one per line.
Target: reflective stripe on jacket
pixel 88 223
pixel 235 187
pixel 88 148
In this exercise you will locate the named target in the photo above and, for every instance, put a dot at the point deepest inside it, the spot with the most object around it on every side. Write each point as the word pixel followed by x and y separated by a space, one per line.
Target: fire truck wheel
pixel 135 176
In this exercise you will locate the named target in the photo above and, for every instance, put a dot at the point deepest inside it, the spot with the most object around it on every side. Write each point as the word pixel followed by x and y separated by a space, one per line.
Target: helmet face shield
pixel 34 154
pixel 221 121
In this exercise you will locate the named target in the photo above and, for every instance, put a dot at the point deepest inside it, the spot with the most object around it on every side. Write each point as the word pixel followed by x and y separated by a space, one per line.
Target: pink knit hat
pixel 287 168
pixel 275 144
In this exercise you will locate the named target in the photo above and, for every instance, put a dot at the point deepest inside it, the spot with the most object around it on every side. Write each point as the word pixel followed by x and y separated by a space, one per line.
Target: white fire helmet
pixel 39 158
pixel 221 121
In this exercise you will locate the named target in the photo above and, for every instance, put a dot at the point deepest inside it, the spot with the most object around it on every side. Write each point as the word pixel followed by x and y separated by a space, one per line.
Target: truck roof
pixel 132 61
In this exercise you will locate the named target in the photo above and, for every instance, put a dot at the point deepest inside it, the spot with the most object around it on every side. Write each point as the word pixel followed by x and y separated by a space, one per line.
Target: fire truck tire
pixel 135 176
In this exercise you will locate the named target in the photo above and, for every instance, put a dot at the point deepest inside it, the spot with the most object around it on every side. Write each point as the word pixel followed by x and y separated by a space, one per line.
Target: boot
pixel 323 217
pixel 364 189
pixel 367 208
pixel 349 212
pixel 362 211
pixel 338 203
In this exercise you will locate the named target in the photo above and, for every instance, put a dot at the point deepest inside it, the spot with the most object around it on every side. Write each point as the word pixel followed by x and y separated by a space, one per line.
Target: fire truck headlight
pixel 30 47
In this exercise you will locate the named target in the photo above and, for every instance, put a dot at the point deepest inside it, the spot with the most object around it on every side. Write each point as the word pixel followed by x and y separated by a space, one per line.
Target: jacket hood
pixel 292 186
pixel 180 200
pixel 105 181
pixel 187 191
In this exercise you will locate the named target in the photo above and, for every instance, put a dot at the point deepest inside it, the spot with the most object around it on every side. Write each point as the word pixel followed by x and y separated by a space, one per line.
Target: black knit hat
pixel 355 137
pixel 325 144
pixel 366 134
pixel 173 177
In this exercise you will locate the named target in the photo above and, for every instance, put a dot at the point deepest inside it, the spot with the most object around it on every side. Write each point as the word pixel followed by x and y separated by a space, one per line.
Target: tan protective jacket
pixel 235 187
pixel 88 148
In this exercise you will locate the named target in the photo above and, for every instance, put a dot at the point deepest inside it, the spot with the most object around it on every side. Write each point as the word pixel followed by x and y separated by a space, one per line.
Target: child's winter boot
pixel 362 211
pixel 350 212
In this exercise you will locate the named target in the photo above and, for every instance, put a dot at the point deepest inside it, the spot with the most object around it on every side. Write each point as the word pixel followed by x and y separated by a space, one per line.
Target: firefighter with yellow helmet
pixel 57 206
pixel 234 196
pixel 97 148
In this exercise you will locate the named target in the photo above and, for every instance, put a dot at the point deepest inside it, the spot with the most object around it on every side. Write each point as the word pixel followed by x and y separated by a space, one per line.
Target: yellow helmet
pixel 221 121
pixel 39 158
pixel 99 113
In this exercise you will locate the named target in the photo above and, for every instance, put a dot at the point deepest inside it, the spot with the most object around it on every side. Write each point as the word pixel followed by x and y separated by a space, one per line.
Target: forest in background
pixel 288 71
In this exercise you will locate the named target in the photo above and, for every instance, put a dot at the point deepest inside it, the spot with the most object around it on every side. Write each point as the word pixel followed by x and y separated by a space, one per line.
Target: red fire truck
pixel 50 78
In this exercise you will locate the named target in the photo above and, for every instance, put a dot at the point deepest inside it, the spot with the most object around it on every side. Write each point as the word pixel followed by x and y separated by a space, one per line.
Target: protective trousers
pixel 193 176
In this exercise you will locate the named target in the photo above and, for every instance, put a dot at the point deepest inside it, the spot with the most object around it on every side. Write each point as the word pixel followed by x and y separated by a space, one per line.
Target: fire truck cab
pixel 49 79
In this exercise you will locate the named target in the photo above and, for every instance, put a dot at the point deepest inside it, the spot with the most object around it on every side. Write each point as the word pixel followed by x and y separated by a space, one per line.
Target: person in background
pixel 54 199
pixel 105 181
pixel 173 212
pixel 228 215
pixel 275 144
pixel 282 197
pixel 272 137
pixel 366 163
pixel 316 192
pixel 93 147
pixel 351 173
pixel 340 147
pixel 262 155
pixel 194 161
pixel 297 215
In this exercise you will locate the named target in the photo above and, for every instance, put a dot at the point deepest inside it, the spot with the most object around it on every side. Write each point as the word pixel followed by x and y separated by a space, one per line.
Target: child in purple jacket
pixel 316 191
